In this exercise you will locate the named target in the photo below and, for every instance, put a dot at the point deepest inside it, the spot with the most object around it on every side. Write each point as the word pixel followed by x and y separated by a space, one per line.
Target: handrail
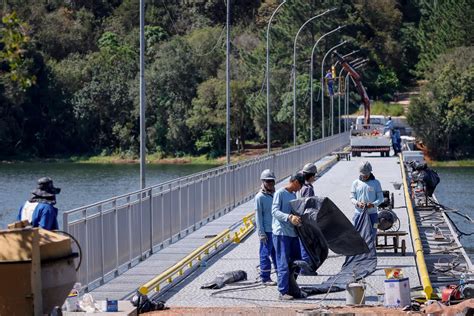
pixel 198 174
pixel 168 274
pixel 415 235
pixel 246 229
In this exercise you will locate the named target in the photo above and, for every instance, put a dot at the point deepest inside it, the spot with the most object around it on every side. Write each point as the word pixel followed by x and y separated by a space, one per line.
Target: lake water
pixel 83 184
pixel 80 184
pixel 456 190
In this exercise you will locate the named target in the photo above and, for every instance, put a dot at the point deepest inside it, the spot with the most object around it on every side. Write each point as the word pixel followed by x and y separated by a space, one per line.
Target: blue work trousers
pixel 304 254
pixel 287 250
pixel 267 252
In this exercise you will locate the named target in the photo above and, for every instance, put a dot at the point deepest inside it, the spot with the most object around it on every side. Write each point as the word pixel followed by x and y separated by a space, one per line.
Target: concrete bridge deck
pixel 335 184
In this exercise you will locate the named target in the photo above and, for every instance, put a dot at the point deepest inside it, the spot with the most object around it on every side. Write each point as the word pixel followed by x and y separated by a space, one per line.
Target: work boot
pixel 286 297
pixel 269 283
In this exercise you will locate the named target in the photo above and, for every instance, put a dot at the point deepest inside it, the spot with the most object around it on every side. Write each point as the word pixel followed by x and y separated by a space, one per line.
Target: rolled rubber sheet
pixel 325 227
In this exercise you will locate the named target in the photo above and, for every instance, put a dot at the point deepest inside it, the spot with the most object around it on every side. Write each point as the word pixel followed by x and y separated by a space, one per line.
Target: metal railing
pixel 117 233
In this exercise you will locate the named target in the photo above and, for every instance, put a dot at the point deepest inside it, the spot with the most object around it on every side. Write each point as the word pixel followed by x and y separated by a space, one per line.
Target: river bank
pixel 153 159
pixel 451 163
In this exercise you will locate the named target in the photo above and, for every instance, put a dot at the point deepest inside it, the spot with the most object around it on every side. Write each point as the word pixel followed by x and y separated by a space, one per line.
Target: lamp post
pixel 268 76
pixel 227 84
pixel 142 96
pixel 311 74
pixel 322 83
pixel 294 69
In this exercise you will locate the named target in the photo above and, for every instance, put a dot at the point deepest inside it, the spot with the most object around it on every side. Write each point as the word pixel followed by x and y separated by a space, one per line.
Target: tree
pixel 443 115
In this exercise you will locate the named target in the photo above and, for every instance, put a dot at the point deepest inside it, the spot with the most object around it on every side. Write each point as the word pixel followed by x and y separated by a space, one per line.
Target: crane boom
pixel 359 86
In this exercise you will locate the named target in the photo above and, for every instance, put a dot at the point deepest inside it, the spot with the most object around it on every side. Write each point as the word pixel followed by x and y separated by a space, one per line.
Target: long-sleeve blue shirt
pixel 42 215
pixel 368 192
pixel 263 214
pixel 280 210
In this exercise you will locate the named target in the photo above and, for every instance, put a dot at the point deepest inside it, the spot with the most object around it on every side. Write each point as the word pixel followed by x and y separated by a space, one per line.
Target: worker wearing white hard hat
pixel 263 219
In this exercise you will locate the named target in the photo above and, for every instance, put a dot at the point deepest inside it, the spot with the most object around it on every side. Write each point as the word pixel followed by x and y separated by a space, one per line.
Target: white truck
pixel 370 137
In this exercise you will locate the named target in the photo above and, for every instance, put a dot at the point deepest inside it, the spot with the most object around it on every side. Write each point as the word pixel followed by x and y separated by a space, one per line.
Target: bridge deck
pixel 336 185
pixel 126 284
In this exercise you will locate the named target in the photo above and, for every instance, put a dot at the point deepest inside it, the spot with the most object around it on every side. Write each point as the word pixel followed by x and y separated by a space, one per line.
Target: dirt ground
pixel 465 307
pixel 280 311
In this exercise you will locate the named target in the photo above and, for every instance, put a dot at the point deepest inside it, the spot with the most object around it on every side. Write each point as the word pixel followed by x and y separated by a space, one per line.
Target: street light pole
pixel 142 96
pixel 322 83
pixel 268 77
pixel 311 74
pixel 294 69
pixel 227 83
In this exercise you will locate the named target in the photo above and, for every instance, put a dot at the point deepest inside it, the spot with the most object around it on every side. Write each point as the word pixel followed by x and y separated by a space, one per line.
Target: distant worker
pixel 309 173
pixel 285 240
pixel 330 82
pixel 39 210
pixel 263 219
pixel 388 125
pixel 396 141
pixel 366 195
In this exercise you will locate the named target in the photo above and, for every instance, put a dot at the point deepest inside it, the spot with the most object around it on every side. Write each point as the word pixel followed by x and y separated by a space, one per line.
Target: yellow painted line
pixel 168 274
pixel 178 268
pixel 415 235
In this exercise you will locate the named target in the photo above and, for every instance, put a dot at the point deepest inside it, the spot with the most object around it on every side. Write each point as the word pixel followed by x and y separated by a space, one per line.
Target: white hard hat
pixel 310 168
pixel 267 174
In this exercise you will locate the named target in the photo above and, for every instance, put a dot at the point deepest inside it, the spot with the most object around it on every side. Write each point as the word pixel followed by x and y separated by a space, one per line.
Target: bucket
pixel 397 185
pixel 355 294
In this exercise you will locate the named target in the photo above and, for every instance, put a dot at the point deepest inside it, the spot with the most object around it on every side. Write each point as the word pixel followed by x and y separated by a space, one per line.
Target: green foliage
pixel 444 25
pixel 380 108
pixel 442 116
pixel 70 78
pixel 15 42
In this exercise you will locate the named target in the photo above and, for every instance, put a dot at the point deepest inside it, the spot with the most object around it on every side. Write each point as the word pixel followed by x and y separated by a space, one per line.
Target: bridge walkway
pixel 125 285
pixel 335 184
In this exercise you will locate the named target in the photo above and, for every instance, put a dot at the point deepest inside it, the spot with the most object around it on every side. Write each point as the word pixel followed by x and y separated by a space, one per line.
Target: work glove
pixel 295 220
pixel 263 238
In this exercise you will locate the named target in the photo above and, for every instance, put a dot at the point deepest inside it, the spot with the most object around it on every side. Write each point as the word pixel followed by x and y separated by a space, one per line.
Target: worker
pixel 330 82
pixel 396 142
pixel 263 219
pixel 309 173
pixel 39 210
pixel 388 126
pixel 285 240
pixel 366 195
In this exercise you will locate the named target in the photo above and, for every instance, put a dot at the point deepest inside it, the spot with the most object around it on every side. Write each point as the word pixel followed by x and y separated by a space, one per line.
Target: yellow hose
pixel 415 235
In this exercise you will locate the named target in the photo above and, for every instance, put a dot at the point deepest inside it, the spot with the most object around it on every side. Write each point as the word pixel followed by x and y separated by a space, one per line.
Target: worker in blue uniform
pixel 285 240
pixel 388 126
pixel 309 173
pixel 330 82
pixel 39 210
pixel 263 220
pixel 366 195
pixel 396 141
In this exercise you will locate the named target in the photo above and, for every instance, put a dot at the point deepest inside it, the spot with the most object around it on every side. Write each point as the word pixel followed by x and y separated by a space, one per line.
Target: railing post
pixel 102 242
pixel 117 253
pixel 152 233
